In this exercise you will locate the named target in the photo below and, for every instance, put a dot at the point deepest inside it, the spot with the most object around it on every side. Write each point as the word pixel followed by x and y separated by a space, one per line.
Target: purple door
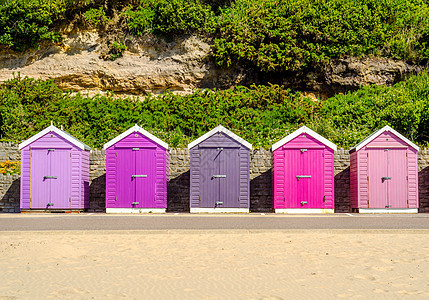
pixel 304 178
pixel 220 177
pixel 136 177
pixel 50 179
pixel 387 178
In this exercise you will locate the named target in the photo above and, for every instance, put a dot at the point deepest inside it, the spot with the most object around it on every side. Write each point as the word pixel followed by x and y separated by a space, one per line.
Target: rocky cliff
pixel 152 65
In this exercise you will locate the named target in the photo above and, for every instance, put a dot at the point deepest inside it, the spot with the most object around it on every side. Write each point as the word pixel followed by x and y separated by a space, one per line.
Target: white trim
pixel 219 210
pixel 304 129
pixel 135 128
pixel 135 210
pixel 58 131
pixel 388 210
pixel 220 128
pixel 375 134
pixel 304 211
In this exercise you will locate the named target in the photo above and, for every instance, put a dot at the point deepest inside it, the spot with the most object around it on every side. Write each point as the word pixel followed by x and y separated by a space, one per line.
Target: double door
pixel 136 180
pixel 304 184
pixel 387 178
pixel 50 178
pixel 220 177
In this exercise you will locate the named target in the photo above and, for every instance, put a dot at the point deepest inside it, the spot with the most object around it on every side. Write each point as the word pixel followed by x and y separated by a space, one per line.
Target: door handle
pixel 303 202
pixel 50 177
pixel 135 203
pixel 385 178
pixel 218 176
pixel 302 176
pixel 135 176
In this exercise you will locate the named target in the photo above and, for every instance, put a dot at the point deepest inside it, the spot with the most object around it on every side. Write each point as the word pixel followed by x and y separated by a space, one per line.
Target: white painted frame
pixel 375 134
pixel 388 210
pixel 304 211
pixel 135 210
pixel 135 128
pixel 306 130
pixel 219 210
pixel 222 129
pixel 58 131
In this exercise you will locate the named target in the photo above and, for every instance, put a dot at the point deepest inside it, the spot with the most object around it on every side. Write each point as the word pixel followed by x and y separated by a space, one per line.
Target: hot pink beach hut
pixel 383 174
pixel 303 173
pixel 136 173
pixel 54 172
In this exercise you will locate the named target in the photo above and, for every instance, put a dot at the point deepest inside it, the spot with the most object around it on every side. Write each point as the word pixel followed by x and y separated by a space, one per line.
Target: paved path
pixel 42 222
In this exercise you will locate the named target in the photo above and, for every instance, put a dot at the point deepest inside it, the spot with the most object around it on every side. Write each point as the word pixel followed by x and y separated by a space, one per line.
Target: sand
pixel 234 264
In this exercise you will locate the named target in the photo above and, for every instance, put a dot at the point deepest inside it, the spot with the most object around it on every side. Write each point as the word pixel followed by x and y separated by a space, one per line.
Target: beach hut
pixel 219 178
pixel 303 173
pixel 136 173
pixel 383 174
pixel 54 172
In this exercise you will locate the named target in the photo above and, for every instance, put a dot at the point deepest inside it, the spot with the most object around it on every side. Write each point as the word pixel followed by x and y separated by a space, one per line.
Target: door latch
pixel 135 176
pixel 135 203
pixel 303 202
pixel 218 176
pixel 298 177
pixel 50 177
pixel 385 178
pixel 303 150
pixel 218 203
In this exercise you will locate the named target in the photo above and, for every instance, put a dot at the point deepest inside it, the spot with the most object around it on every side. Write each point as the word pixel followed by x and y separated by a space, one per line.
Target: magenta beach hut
pixel 54 172
pixel 303 173
pixel 220 162
pixel 136 173
pixel 384 174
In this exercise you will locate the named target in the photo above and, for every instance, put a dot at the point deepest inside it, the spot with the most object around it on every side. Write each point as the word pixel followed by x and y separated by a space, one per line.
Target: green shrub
pixel 116 50
pixel 24 24
pixel 96 17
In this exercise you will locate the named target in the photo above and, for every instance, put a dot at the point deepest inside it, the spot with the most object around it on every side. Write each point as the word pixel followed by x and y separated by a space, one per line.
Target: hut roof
pixel 58 131
pixel 135 128
pixel 308 131
pixel 375 134
pixel 222 129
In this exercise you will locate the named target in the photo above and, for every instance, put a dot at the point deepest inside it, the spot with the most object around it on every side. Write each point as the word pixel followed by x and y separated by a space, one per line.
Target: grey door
pixel 220 177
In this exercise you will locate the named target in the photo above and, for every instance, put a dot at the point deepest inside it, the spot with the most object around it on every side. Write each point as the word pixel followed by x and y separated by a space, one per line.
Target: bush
pixel 24 24
pixel 96 17
pixel 116 50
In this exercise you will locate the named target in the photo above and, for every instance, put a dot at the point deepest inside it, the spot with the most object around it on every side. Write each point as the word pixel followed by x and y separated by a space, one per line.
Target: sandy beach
pixel 226 264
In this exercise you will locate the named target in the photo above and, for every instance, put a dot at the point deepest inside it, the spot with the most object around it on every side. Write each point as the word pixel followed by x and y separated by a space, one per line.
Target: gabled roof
pixel 58 131
pixel 222 129
pixel 135 128
pixel 375 134
pixel 308 131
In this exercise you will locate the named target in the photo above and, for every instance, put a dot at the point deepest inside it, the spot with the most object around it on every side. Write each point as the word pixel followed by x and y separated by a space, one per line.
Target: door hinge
pixel 155 153
pixel 116 198
pixel 70 199
pixel 70 154
pixel 324 198
pixel 116 154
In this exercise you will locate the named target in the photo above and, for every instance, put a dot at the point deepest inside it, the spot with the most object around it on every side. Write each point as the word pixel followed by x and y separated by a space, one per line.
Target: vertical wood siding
pixel 25 178
pixel 240 158
pixel 353 180
pixel 317 161
pixel 158 172
pixel 363 179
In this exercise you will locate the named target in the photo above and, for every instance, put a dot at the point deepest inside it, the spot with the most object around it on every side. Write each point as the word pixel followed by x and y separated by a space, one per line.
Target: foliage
pixel 24 24
pixel 96 17
pixel 10 167
pixel 279 36
pixel 260 114
pixel 116 50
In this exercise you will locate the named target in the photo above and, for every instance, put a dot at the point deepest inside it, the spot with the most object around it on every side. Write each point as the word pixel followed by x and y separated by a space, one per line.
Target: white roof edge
pixel 304 129
pixel 135 128
pixel 58 131
pixel 220 128
pixel 375 134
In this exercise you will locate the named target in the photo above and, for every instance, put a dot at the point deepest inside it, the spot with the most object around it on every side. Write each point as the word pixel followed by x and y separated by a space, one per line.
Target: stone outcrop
pixel 153 65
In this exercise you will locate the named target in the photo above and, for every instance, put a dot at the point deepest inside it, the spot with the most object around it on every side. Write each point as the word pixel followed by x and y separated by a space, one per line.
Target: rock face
pixel 152 65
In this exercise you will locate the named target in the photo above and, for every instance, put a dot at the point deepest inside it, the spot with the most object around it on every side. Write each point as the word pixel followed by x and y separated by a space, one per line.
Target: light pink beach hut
pixel 136 173
pixel 303 173
pixel 54 172
pixel 384 174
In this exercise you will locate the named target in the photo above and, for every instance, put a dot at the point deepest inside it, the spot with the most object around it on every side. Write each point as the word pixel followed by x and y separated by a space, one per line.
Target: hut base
pixel 304 211
pixel 219 210
pixel 66 211
pixel 387 210
pixel 135 210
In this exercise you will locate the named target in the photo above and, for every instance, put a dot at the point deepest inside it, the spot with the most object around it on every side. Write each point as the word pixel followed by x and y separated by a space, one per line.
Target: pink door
pixel 50 179
pixel 136 178
pixel 304 185
pixel 387 169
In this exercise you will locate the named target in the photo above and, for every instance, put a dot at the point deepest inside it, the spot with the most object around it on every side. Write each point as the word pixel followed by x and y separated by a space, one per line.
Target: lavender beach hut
pixel 54 172
pixel 219 178
pixel 136 173
pixel 384 174
pixel 303 173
